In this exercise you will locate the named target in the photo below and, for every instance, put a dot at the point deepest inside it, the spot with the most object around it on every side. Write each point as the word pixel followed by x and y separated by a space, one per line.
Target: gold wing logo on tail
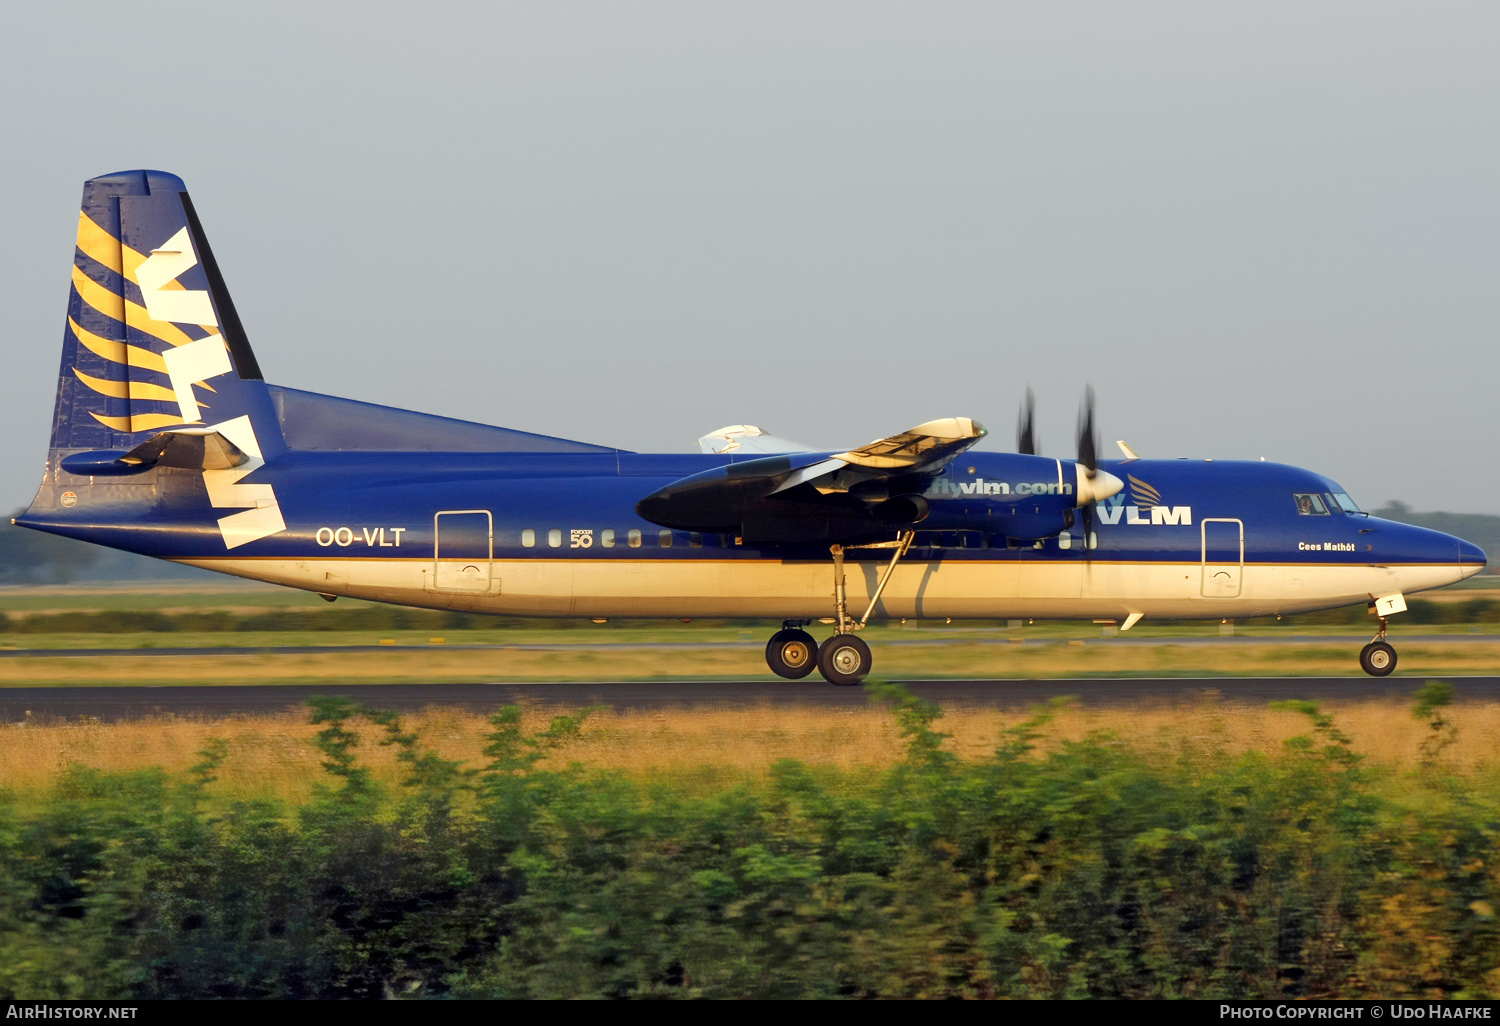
pixel 179 346
pixel 189 362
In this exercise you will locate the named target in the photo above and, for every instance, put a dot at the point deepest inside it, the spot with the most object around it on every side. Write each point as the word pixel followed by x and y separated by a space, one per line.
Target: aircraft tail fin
pixel 152 340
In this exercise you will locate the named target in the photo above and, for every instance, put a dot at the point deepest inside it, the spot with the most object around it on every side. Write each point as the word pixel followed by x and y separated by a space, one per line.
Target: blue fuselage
pixel 1185 538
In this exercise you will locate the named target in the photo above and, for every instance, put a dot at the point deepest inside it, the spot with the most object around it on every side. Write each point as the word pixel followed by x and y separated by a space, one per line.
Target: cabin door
pixel 463 550
pixel 1223 557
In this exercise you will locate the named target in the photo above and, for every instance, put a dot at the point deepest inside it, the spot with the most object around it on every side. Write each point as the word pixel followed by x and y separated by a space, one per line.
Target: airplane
pixel 167 441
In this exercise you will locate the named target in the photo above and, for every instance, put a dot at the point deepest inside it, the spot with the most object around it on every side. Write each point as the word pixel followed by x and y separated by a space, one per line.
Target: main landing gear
pixel 792 652
pixel 842 659
pixel 1378 658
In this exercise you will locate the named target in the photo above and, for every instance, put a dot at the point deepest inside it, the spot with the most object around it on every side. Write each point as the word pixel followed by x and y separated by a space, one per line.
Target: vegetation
pixel 1048 866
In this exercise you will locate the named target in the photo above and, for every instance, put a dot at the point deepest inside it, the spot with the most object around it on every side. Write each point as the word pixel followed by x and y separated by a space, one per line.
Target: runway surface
pixel 109 704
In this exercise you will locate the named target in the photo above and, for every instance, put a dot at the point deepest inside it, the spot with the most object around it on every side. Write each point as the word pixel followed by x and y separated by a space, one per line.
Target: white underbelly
pixel 776 589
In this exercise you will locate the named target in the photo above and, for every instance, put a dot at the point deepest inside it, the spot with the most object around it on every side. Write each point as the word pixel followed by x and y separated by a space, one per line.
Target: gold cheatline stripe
pixel 98 244
pixel 127 389
pixel 140 422
pixel 118 352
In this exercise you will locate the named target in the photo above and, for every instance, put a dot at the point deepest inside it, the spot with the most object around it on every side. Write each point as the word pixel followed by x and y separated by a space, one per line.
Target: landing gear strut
pixel 1378 658
pixel 843 658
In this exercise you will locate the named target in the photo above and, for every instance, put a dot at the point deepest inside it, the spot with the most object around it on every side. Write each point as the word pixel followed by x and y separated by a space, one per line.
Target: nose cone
pixel 1471 559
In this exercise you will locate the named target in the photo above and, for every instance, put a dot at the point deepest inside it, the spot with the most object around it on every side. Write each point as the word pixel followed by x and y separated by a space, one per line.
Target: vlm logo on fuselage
pixel 1145 499
pixel 1156 516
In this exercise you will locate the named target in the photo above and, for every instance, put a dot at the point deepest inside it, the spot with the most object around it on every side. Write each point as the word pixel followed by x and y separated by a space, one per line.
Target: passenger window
pixel 635 538
pixel 528 538
pixel 1310 504
pixel 695 540
pixel 665 538
pixel 607 539
pixel 554 538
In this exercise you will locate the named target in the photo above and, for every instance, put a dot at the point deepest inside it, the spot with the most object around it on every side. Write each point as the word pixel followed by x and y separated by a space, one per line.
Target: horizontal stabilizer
pixel 187 450
pixel 747 439
pixel 184 449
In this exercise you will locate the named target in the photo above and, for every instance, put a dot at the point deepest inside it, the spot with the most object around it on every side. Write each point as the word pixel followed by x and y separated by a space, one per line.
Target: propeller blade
pixel 1088 461
pixel 1026 440
pixel 1088 437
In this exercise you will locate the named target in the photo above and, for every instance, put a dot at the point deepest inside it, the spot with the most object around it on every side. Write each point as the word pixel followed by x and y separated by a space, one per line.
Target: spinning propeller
pixel 1093 484
pixel 1088 466
pixel 1026 440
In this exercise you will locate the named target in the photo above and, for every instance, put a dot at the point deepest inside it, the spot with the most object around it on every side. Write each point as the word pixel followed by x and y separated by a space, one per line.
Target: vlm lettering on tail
pixel 167 441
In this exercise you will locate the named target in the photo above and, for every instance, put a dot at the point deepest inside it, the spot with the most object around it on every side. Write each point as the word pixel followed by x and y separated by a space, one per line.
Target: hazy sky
pixel 1258 229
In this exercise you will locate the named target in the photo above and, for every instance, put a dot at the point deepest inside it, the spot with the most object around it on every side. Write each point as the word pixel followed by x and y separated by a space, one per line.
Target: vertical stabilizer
pixel 152 345
pixel 152 340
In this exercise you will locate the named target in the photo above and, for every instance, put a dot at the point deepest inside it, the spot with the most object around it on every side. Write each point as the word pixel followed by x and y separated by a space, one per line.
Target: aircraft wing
pixel 814 495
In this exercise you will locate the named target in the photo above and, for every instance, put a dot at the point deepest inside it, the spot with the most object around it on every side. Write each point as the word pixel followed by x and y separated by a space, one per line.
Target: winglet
pixel 1127 450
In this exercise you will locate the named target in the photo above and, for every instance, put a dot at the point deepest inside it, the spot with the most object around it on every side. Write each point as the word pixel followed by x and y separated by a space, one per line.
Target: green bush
pixel 1082 869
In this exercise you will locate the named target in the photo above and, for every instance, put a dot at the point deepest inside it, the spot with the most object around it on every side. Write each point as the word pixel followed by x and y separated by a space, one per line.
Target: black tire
pixel 1377 659
pixel 792 654
pixel 843 659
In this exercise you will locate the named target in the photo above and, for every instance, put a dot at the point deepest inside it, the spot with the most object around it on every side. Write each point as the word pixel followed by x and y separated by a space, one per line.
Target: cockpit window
pixel 1345 503
pixel 1310 504
pixel 1333 504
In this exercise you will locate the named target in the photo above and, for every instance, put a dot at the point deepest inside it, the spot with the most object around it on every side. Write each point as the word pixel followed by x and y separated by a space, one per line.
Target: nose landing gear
pixel 1378 658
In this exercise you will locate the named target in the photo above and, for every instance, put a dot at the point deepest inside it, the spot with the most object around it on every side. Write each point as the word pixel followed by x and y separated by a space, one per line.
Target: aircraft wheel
pixel 843 659
pixel 791 654
pixel 1377 659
